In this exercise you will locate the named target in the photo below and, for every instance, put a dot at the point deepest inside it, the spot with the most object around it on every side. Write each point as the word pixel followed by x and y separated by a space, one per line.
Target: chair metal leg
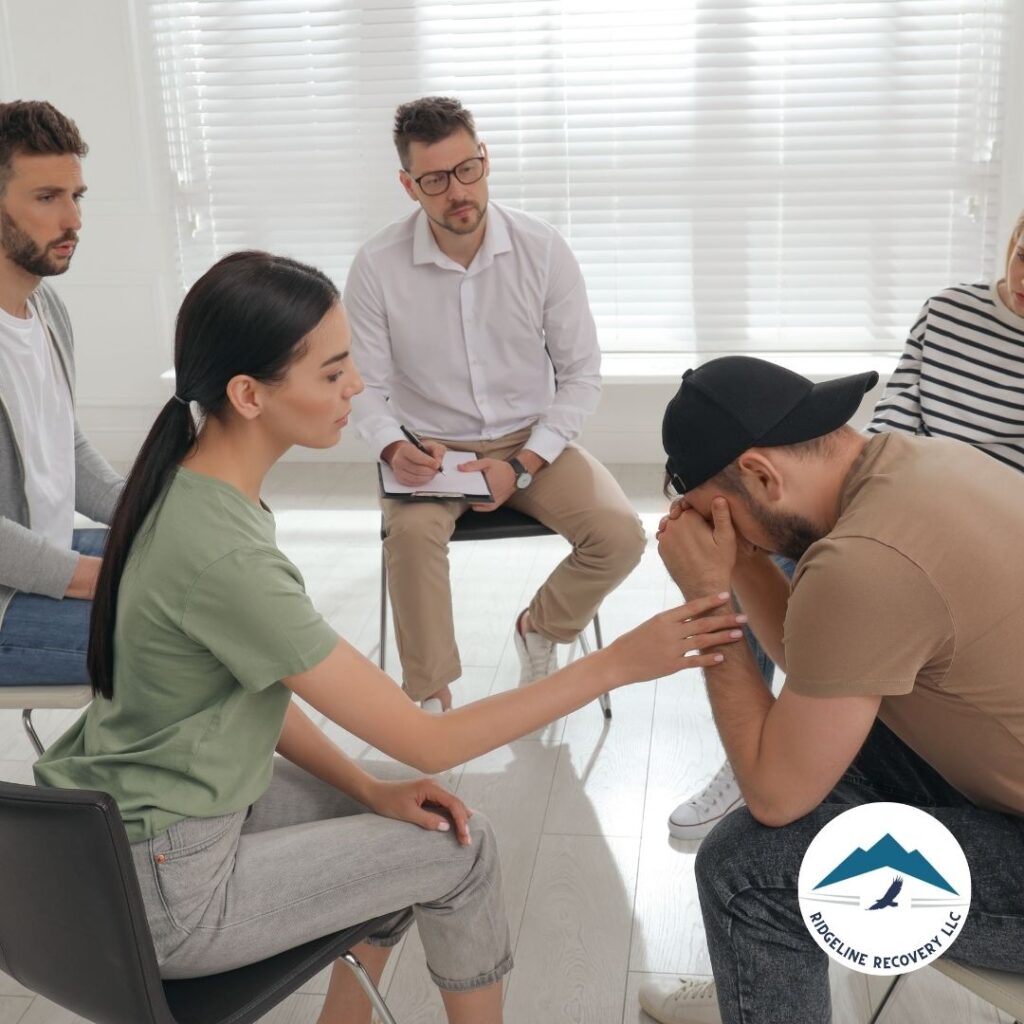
pixel 886 999
pixel 368 987
pixel 605 700
pixel 383 609
pixel 26 720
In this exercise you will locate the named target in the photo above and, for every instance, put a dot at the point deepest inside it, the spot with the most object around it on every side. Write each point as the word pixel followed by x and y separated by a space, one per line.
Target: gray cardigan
pixel 28 561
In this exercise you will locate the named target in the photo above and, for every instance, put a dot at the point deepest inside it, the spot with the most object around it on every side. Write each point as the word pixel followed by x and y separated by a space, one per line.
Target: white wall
pixel 89 58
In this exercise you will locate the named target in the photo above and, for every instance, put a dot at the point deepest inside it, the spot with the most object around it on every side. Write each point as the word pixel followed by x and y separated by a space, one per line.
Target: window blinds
pixel 733 175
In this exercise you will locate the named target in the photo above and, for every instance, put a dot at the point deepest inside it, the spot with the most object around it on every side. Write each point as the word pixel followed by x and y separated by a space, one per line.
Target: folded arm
pixel 787 753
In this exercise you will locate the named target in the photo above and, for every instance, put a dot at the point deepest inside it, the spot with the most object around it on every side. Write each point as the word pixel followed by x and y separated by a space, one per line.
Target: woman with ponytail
pixel 201 634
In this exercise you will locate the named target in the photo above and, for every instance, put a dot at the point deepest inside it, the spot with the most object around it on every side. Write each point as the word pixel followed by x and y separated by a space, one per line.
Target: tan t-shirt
pixel 918 594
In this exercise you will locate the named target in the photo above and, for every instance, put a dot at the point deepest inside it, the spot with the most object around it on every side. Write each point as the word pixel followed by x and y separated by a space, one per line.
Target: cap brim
pixel 826 407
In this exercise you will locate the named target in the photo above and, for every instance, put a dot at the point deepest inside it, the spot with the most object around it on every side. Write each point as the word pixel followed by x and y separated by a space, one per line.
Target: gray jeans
pixel 307 860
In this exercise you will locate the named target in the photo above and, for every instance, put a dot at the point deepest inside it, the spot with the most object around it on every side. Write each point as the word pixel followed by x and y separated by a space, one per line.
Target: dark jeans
pixel 43 640
pixel 767 967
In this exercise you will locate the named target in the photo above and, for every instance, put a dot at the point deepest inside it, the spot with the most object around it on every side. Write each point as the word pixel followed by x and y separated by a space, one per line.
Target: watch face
pixel 524 480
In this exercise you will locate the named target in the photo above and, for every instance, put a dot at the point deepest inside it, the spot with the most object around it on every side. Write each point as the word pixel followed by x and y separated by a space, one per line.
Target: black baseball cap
pixel 737 402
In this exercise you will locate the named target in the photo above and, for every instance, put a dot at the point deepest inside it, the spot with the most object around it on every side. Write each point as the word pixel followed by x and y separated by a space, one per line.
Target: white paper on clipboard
pixel 449 484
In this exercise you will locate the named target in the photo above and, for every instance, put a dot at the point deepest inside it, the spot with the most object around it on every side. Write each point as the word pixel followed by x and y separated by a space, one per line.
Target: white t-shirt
pixel 43 423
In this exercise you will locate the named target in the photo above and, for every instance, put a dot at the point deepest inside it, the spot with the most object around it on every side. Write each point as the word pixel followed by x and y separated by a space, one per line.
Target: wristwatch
pixel 523 478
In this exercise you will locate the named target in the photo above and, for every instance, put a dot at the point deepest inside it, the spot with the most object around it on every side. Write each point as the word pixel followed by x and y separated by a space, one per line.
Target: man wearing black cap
pixel 902 640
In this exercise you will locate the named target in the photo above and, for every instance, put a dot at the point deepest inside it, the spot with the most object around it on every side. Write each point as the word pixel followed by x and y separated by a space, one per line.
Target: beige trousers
pixel 575 496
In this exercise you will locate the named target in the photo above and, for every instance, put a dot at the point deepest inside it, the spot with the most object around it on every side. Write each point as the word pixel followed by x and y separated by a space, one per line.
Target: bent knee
pixel 726 849
pixel 482 832
pixel 422 525
pixel 483 848
pixel 619 539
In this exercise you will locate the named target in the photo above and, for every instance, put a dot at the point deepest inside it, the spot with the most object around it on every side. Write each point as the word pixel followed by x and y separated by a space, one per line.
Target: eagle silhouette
pixel 889 899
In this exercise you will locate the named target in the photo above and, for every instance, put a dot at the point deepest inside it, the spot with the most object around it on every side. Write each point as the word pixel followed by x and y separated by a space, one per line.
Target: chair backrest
pixel 72 923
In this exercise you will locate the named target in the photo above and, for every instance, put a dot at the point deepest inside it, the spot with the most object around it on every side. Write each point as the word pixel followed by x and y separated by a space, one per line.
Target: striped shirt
pixel 961 375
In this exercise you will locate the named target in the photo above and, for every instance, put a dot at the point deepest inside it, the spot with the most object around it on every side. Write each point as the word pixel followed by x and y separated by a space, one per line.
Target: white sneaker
pixel 696 817
pixel 692 1000
pixel 432 706
pixel 538 656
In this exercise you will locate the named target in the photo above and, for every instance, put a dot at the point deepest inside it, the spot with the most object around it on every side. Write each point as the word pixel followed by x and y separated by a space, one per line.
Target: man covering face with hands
pixel 901 637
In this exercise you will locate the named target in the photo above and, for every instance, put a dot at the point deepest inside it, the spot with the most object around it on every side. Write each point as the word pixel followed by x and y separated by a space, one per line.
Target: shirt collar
pixel 496 240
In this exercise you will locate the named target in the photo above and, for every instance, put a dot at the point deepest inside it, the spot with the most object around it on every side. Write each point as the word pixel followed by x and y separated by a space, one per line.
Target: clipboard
pixel 448 485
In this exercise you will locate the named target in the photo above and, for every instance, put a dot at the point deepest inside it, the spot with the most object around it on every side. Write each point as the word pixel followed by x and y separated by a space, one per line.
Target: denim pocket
pixel 193 861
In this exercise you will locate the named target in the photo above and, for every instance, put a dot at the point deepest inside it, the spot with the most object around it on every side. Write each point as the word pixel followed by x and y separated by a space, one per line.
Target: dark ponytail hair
pixel 248 314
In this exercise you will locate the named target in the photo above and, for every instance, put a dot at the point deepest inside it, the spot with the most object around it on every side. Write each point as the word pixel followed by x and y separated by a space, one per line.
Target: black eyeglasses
pixel 436 183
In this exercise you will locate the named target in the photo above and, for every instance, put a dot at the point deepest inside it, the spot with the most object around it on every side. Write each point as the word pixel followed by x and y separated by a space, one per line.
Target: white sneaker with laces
pixel 690 1000
pixel 696 817
pixel 538 656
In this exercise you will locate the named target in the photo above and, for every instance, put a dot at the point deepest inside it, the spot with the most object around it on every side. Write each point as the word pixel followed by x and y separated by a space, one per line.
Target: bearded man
pixel 48 469
pixel 902 638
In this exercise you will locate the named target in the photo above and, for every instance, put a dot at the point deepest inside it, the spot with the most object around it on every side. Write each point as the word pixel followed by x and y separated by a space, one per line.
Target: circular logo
pixel 884 889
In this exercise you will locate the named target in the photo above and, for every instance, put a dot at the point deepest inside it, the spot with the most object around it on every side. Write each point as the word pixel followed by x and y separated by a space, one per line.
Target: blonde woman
pixel 961 374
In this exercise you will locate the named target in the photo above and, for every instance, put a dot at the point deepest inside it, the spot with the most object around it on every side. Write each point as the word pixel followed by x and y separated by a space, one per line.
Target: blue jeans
pixel 747 881
pixel 43 640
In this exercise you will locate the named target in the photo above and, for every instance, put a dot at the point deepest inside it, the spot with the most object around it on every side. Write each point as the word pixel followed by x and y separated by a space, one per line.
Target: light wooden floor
pixel 598 896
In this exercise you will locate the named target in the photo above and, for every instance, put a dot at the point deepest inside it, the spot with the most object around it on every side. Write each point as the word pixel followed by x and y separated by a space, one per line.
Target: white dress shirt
pixel 477 352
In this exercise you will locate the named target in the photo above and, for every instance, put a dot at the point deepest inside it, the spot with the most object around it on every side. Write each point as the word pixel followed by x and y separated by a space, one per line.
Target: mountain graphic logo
pixel 886 853
pixel 888 905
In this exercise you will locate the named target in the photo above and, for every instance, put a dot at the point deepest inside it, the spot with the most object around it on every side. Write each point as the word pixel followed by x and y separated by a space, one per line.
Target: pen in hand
pixel 414 440
pixel 410 468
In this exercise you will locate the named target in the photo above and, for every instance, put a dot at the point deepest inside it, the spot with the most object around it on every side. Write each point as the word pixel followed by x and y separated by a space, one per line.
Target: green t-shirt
pixel 210 617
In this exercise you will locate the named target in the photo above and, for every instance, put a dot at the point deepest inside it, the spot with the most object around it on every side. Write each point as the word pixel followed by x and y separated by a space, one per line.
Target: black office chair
pixel 73 927
pixel 502 524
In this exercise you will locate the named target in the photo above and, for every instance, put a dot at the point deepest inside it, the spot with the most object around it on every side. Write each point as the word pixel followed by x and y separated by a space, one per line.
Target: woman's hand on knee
pixel 422 802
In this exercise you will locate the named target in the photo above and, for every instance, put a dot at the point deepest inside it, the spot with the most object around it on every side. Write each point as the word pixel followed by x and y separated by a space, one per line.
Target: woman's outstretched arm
pixel 354 693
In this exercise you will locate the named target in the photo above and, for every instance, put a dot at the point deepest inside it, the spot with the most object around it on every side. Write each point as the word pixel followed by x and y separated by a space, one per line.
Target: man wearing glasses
pixel 471 328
